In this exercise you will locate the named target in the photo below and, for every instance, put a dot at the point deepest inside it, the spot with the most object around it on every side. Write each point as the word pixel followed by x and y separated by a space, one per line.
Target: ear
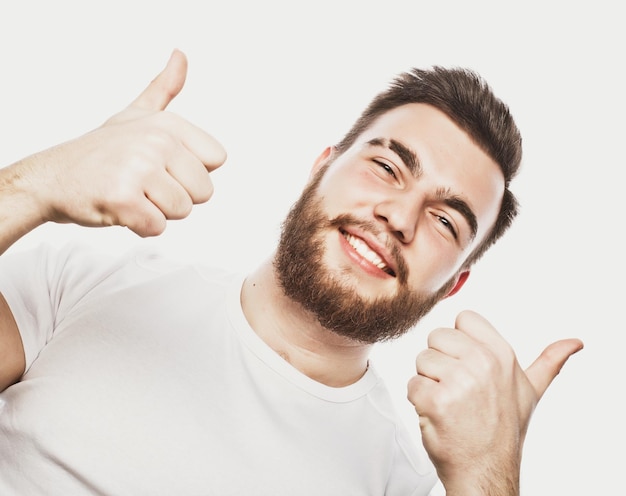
pixel 322 160
pixel 462 277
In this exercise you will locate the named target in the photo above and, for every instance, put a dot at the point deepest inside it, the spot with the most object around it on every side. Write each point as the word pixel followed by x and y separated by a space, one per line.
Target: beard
pixel 335 303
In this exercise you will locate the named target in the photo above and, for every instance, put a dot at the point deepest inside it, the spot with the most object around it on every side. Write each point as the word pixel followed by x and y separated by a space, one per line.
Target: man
pixel 142 376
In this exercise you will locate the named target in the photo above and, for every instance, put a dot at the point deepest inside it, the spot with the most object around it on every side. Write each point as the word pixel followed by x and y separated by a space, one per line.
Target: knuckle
pixel 160 141
pixel 185 206
pixel 219 154
pixel 486 364
pixel 164 118
pixel 204 191
pixel 442 402
pixel 421 359
pixel 149 226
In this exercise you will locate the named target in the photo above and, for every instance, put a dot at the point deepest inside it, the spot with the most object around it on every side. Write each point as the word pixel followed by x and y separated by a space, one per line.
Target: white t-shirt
pixel 144 378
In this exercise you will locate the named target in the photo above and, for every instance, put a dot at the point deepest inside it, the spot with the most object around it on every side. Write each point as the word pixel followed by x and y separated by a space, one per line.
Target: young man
pixel 142 376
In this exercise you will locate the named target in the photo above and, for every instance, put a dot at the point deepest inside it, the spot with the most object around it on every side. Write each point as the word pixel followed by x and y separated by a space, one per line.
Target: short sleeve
pixel 42 284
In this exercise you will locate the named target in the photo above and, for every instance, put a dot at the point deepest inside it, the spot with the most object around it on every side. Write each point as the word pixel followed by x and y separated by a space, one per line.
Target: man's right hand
pixel 143 166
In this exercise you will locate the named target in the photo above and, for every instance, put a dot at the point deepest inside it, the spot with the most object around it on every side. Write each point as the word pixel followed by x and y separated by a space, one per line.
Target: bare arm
pixel 140 168
pixel 475 404
pixel 18 214
pixel 12 361
pixel 143 166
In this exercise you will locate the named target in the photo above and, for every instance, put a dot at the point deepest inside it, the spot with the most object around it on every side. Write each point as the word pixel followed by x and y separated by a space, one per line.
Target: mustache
pixel 402 269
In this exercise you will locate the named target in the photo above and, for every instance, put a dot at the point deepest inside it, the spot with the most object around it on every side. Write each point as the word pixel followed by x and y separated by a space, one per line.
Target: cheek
pixel 432 263
pixel 342 189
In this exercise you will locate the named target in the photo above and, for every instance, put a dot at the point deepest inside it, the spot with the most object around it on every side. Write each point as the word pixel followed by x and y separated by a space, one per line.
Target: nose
pixel 400 215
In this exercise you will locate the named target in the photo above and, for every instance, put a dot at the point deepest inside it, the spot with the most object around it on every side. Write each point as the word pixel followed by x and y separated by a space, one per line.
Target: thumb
pixel 548 365
pixel 163 88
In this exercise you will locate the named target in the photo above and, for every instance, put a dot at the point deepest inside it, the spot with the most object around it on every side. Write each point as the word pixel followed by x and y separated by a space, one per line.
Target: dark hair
pixel 467 99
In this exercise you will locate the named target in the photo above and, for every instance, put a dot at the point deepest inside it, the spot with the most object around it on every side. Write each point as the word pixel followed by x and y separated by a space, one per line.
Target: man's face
pixel 381 233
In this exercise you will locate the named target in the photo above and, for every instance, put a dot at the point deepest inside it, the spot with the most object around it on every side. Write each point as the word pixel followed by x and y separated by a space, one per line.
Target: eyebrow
pixel 411 162
pixel 461 206
pixel 408 156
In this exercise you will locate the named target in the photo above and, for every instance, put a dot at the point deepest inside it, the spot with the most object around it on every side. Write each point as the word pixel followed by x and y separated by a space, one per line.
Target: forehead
pixel 446 155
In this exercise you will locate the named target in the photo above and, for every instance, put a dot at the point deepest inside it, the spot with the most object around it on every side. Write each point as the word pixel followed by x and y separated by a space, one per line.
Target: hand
pixel 142 167
pixel 475 402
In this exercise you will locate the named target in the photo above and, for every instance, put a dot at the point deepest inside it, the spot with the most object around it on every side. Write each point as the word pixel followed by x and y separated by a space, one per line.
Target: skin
pixel 434 238
pixel 473 398
pixel 403 205
pixel 145 166
pixel 153 167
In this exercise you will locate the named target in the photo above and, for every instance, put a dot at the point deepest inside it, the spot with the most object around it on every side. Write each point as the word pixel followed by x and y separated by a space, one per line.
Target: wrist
pixel 487 482
pixel 20 208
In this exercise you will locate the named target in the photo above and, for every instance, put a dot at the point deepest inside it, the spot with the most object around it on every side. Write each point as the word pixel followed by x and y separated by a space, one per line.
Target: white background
pixel 278 81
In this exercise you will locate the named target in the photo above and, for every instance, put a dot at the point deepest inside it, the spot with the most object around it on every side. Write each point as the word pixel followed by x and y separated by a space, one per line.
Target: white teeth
pixel 362 249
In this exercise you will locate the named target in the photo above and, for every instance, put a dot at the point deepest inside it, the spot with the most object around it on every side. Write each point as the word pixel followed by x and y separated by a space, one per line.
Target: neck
pixel 296 335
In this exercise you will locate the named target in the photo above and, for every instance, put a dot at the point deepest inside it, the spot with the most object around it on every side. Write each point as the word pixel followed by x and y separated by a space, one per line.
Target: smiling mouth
pixel 367 253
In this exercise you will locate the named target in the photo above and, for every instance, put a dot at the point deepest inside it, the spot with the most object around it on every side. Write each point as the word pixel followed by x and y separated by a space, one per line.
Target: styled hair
pixel 467 99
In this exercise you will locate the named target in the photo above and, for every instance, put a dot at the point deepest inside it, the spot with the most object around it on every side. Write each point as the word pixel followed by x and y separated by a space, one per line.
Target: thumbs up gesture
pixel 474 403
pixel 143 166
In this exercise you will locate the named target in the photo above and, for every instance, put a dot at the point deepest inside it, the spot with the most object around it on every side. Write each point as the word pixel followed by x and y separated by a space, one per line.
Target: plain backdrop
pixel 277 81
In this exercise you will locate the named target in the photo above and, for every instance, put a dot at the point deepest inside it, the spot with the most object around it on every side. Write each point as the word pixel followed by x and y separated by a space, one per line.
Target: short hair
pixel 467 99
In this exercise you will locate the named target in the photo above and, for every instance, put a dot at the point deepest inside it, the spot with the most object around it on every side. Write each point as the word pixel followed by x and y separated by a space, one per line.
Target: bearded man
pixel 139 375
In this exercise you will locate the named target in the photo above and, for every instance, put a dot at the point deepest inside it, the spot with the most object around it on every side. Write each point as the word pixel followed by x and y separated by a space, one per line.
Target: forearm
pixel 20 212
pixel 139 169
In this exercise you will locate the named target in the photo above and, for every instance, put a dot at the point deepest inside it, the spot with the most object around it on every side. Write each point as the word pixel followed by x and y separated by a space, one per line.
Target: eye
pixel 447 224
pixel 386 167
